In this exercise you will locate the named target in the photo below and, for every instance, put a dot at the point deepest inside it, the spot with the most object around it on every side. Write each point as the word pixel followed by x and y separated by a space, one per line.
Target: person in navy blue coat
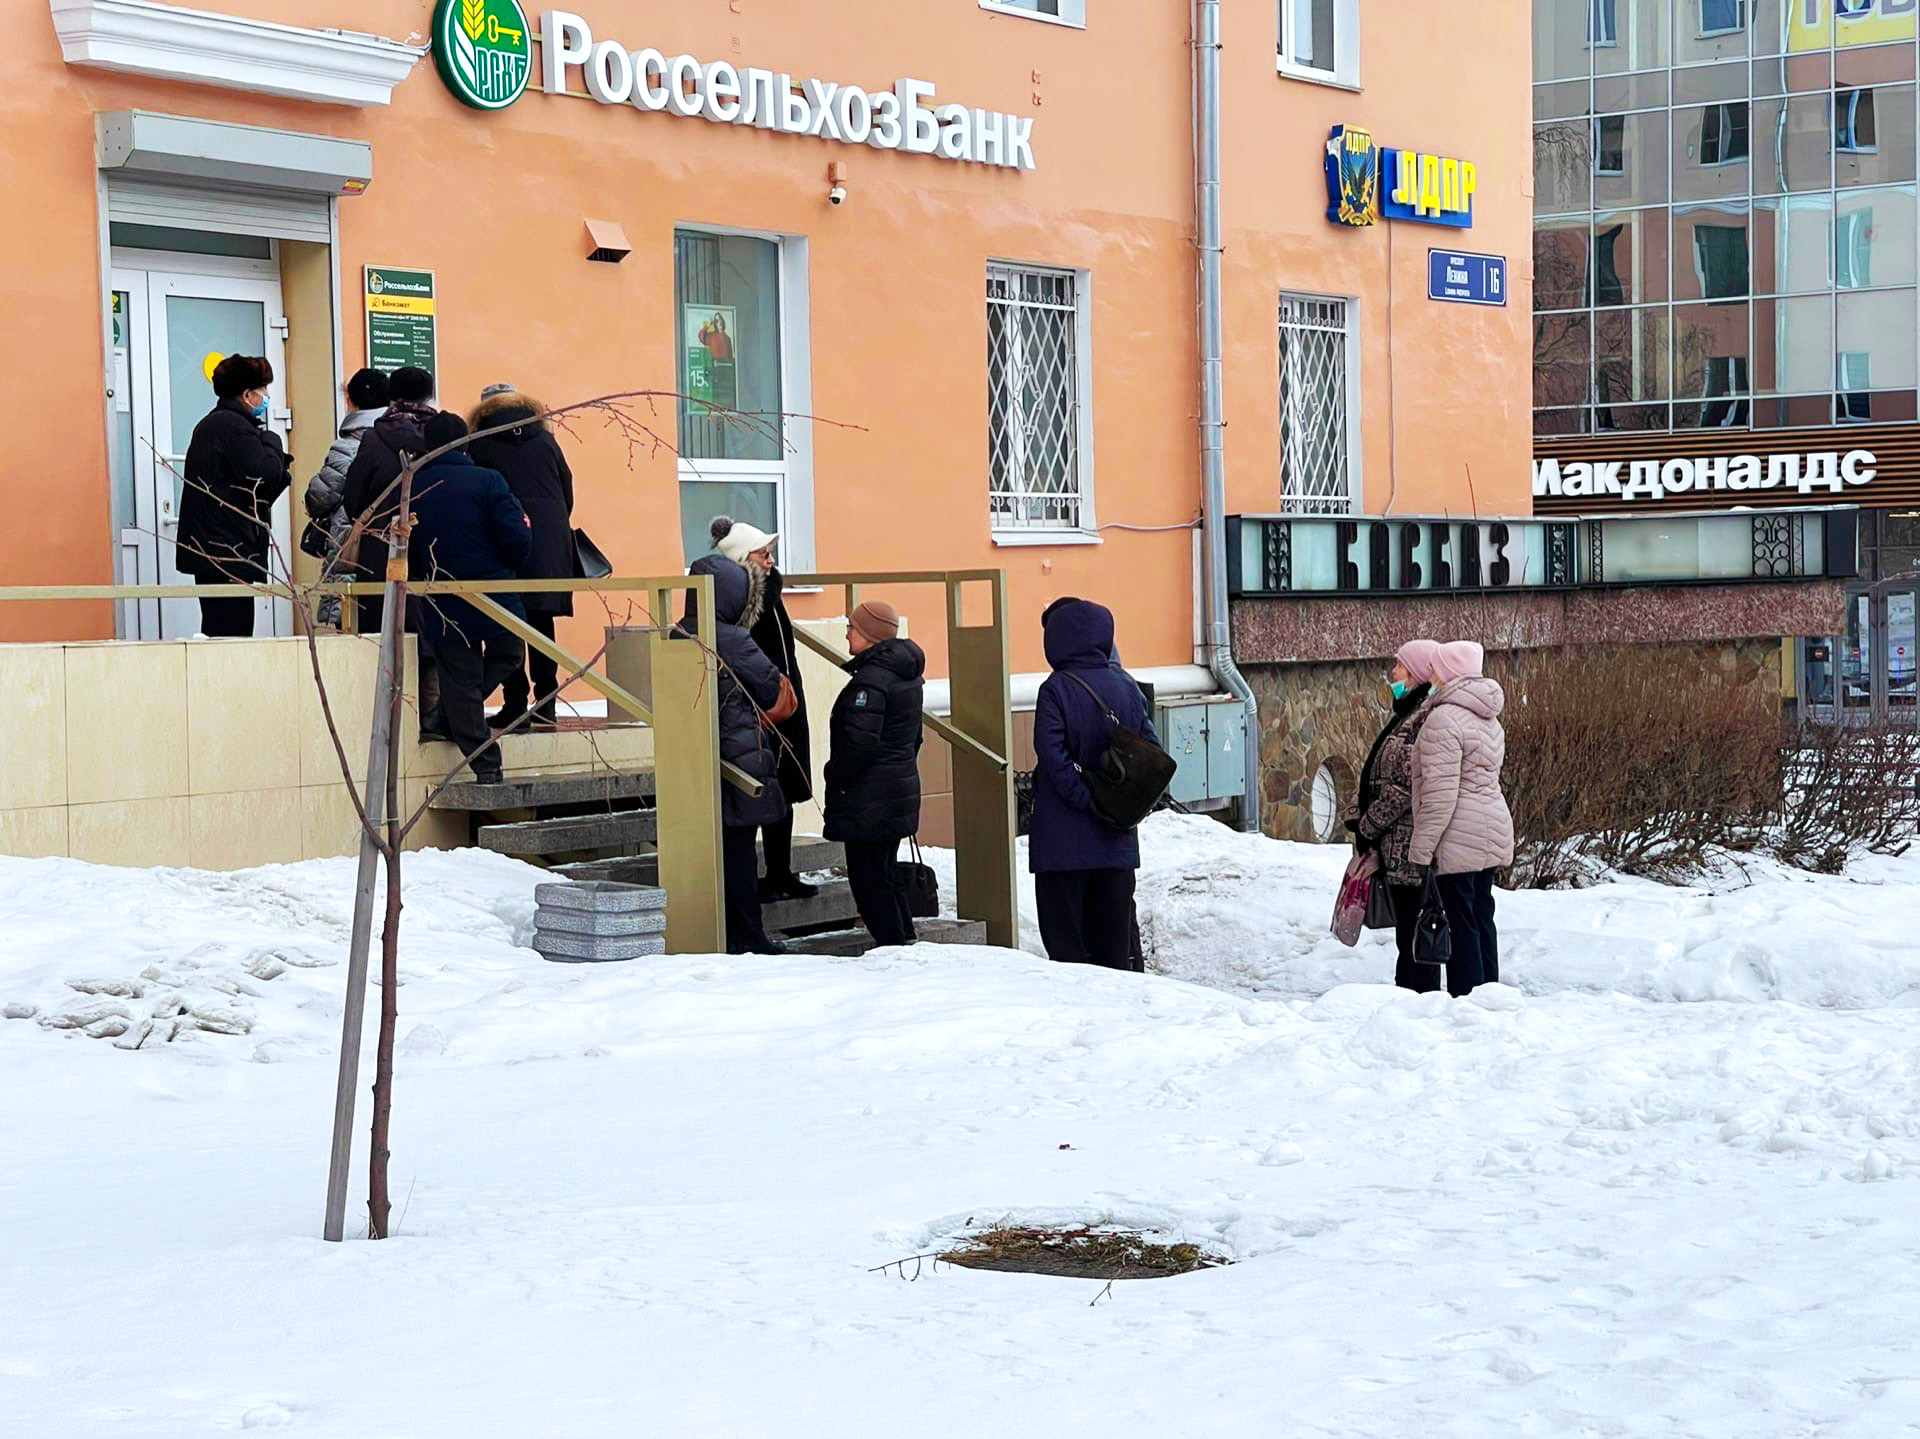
pixel 1083 867
pixel 467 526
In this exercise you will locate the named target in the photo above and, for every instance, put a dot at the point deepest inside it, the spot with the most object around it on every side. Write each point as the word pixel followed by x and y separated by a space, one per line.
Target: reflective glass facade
pixel 1724 214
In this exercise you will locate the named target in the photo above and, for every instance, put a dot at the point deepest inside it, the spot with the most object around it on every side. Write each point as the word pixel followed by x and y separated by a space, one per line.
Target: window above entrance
pixel 142 37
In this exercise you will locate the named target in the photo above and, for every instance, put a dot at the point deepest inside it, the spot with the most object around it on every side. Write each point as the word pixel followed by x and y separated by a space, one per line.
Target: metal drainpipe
pixel 1219 633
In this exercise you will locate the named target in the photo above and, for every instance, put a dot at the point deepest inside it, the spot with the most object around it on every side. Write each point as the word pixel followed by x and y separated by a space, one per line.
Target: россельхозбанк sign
pixel 483 49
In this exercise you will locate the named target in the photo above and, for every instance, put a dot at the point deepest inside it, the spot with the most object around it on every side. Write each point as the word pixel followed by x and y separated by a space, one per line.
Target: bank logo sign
pixel 484 50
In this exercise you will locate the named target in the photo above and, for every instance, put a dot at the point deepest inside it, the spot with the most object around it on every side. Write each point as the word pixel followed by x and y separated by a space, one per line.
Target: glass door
pixel 183 326
pixel 1855 690
pixel 1899 656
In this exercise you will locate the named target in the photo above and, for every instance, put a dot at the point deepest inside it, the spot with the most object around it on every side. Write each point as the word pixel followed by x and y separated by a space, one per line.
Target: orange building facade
pixel 976 346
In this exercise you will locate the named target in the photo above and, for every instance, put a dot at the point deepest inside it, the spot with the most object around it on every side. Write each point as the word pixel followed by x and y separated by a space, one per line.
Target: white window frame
pixel 1724 110
pixel 1087 532
pixel 1350 362
pixel 1845 386
pixel 1852 242
pixel 1595 10
pixel 1852 96
pixel 1073 13
pixel 1740 22
pixel 792 476
pixel 1599 144
pixel 1346 44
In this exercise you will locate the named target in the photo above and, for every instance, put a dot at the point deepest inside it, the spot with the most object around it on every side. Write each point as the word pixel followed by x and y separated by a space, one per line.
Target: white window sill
pixel 1063 21
pixel 1315 77
pixel 1027 539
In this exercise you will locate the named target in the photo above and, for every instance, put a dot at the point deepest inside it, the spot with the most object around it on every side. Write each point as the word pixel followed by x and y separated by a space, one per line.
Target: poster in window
pixel 713 341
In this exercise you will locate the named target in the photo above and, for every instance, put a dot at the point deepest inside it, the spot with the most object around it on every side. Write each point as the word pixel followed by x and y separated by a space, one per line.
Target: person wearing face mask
pixel 235 469
pixel 1382 815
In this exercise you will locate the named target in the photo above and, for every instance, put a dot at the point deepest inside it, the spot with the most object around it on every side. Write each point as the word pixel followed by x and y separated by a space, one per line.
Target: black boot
pixel 506 717
pixel 786 886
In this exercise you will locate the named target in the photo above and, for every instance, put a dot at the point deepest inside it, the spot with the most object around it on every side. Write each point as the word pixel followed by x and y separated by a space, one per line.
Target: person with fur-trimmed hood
pixel 766 619
pixel 537 473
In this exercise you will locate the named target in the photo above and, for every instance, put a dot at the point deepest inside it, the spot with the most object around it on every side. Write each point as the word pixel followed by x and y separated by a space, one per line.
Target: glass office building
pixel 1725 238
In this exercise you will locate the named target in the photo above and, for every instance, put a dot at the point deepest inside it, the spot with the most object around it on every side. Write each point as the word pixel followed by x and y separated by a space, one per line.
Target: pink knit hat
pixel 1457 661
pixel 1419 656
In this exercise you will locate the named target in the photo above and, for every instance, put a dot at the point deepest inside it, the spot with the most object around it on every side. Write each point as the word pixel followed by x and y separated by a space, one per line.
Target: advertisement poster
pixel 1815 24
pixel 400 319
pixel 712 338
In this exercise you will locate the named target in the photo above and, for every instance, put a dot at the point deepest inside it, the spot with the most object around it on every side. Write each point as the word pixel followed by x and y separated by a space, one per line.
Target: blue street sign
pixel 1467 278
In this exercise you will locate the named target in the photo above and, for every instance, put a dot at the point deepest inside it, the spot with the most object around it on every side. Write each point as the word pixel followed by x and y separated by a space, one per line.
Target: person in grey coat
pixel 327 490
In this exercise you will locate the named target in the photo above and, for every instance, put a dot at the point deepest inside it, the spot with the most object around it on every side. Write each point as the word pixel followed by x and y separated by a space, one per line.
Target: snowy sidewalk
pixel 645 1199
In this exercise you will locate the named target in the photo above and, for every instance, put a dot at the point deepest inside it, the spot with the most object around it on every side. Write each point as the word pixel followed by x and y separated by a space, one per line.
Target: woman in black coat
pixel 537 473
pixel 235 469
pixel 772 629
pixel 751 692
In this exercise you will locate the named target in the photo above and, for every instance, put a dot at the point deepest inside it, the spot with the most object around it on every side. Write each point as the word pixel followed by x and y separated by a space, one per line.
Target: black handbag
pixel 314 540
pixel 1380 904
pixel 589 563
pixel 1127 782
pixel 922 886
pixel 1433 937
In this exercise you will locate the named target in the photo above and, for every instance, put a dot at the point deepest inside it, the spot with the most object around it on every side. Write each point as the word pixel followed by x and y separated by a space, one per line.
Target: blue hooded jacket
pixel 1070 729
pixel 748 685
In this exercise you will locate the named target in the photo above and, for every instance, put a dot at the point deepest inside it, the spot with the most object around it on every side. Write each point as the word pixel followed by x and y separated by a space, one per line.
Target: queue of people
pixel 1430 806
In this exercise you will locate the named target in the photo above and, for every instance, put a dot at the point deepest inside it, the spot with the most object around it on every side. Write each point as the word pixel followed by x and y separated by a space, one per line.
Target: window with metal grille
pixel 1314 434
pixel 1034 456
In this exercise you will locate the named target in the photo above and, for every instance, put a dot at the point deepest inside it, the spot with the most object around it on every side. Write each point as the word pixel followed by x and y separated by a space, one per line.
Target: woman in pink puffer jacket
pixel 1461 825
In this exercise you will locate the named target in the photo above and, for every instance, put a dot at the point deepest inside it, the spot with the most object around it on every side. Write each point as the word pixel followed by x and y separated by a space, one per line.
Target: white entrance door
pixel 173 329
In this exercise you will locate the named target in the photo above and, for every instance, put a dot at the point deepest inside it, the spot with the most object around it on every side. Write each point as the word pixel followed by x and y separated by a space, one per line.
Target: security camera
pixel 837 195
pixel 836 183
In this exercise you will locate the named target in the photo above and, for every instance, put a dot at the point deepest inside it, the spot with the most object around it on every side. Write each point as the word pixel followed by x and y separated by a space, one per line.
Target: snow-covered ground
pixel 1664 1184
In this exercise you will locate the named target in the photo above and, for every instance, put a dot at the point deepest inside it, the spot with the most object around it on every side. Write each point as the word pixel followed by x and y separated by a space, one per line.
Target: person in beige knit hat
pixel 873 776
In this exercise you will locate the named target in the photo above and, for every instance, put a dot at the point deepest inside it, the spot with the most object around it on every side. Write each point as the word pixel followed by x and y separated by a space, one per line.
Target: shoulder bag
pixel 1433 938
pixel 589 563
pixel 1126 782
pixel 923 887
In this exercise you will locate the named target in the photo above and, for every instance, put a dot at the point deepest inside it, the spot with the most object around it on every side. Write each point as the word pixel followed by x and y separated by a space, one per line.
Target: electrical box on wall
pixel 1205 738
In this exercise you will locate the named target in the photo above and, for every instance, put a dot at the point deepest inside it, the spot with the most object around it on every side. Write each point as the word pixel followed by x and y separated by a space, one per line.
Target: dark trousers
pixel 1420 978
pixel 776 843
pixel 1086 916
pixel 544 669
pixel 469 672
pixel 740 870
pixel 1476 944
pixel 880 891
pixel 226 619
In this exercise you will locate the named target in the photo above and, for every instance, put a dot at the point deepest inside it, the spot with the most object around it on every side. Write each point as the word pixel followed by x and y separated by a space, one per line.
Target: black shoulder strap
pixel 1112 718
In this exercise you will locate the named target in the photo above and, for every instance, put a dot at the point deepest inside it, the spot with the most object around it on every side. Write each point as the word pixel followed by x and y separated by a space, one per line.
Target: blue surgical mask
pixel 260 410
pixel 1400 688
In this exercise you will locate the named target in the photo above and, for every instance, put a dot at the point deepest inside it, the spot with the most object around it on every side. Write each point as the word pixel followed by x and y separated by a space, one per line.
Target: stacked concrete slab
pixel 585 921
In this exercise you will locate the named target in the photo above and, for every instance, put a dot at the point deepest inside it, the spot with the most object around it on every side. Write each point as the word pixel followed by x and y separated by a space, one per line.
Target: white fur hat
pixel 735 541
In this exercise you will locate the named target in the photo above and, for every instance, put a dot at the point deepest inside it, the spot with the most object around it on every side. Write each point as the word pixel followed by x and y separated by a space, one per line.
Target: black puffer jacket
pixel 537 473
pixel 376 464
pixel 235 469
pixel 749 684
pixel 873 773
pixel 772 630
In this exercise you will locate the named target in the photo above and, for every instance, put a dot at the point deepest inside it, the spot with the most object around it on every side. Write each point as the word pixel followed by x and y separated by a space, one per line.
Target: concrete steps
pixel 850 943
pixel 539 791
pixel 623 830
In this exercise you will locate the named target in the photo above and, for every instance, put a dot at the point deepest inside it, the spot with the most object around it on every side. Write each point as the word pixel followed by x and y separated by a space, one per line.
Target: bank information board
pixel 400 319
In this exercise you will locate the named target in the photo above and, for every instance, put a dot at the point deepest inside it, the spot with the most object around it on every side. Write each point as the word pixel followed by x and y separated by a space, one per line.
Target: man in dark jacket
pixel 235 469
pixel 467 526
pixel 370 490
pixel 1083 867
pixel 752 694
pixel 873 772
pixel 537 473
